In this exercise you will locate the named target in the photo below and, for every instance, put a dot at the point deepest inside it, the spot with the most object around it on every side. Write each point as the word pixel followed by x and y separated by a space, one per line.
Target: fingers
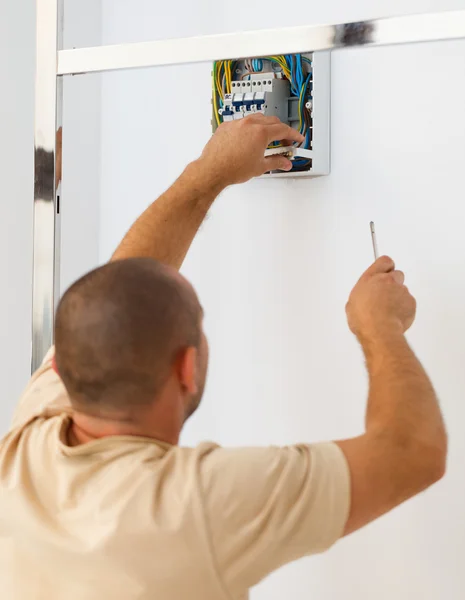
pixel 287 142
pixel 398 277
pixel 275 129
pixel 279 131
pixel 260 118
pixel 276 163
pixel 384 264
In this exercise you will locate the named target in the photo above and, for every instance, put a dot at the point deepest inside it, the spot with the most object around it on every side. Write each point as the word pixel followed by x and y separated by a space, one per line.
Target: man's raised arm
pixel 404 448
pixel 235 154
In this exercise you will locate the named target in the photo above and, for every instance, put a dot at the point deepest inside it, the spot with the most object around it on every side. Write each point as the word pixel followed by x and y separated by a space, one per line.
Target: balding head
pixel 119 330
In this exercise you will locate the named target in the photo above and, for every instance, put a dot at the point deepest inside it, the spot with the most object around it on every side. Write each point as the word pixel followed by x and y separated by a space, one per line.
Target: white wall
pixel 81 151
pixel 275 262
pixel 81 148
pixel 17 30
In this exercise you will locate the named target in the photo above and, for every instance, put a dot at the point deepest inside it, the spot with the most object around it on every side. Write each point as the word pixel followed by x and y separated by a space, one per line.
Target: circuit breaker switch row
pixel 270 102
pixel 238 106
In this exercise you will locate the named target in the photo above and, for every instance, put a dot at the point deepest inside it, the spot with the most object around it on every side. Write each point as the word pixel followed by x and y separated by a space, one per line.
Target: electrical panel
pixel 293 87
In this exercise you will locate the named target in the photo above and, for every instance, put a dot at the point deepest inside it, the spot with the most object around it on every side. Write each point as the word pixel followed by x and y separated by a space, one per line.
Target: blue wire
pixel 298 82
pixel 296 75
pixel 298 72
pixel 301 71
pixel 290 66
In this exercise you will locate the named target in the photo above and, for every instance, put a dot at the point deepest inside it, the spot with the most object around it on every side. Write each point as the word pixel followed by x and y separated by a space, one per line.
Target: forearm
pixel 405 433
pixel 167 228
pixel 401 397
pixel 235 154
pixel 404 447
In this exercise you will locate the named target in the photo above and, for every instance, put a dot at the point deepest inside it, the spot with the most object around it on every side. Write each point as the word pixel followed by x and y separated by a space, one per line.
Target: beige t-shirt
pixel 127 518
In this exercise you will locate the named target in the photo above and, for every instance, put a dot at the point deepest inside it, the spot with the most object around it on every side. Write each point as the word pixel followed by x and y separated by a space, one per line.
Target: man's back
pixel 130 517
pixel 115 518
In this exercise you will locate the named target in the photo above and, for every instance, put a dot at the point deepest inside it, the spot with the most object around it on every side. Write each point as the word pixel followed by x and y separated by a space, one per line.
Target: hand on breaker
pixel 380 303
pixel 236 153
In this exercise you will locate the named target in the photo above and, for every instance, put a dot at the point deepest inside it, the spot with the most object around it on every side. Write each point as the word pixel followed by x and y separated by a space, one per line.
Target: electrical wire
pixel 215 96
pixel 297 69
pixel 302 97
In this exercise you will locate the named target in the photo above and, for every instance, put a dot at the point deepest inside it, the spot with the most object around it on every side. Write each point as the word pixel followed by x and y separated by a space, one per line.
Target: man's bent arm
pixel 235 154
pixel 166 229
pixel 404 448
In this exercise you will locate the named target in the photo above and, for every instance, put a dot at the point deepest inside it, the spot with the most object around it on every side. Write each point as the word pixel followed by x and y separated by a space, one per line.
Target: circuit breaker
pixel 295 88
pixel 267 95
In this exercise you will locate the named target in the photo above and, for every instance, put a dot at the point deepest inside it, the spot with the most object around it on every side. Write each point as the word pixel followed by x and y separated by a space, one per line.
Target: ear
pixel 187 369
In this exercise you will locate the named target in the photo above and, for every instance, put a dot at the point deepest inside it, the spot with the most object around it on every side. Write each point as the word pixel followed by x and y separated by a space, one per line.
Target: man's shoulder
pixel 44 396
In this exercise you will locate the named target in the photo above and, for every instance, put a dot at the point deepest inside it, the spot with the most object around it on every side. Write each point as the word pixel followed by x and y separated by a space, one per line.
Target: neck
pixel 159 422
pixel 86 429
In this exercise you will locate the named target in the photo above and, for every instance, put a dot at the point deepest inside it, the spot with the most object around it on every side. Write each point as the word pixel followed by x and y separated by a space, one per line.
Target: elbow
pixel 431 460
pixel 420 462
pixel 441 461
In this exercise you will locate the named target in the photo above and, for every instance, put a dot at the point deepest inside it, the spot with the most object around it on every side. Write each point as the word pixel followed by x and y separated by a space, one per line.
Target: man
pixel 97 500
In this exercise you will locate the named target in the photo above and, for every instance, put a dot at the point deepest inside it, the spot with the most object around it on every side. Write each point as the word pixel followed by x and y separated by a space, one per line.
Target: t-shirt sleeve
pixel 45 394
pixel 268 507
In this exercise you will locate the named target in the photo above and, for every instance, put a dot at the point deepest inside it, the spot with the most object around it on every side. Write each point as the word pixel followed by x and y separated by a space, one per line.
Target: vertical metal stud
pixel 47 171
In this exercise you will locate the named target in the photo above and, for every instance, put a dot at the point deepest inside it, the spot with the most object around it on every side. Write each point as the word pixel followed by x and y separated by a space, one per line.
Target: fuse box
pixel 295 88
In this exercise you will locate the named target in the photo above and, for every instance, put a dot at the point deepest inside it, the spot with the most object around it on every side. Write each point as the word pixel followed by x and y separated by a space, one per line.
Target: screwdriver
pixel 373 240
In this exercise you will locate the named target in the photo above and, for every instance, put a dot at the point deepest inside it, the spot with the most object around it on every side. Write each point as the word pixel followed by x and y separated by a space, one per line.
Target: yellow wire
pixel 220 85
pixel 218 69
pixel 223 84
pixel 215 101
pixel 282 63
pixel 218 81
pixel 215 106
pixel 215 78
pixel 229 78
